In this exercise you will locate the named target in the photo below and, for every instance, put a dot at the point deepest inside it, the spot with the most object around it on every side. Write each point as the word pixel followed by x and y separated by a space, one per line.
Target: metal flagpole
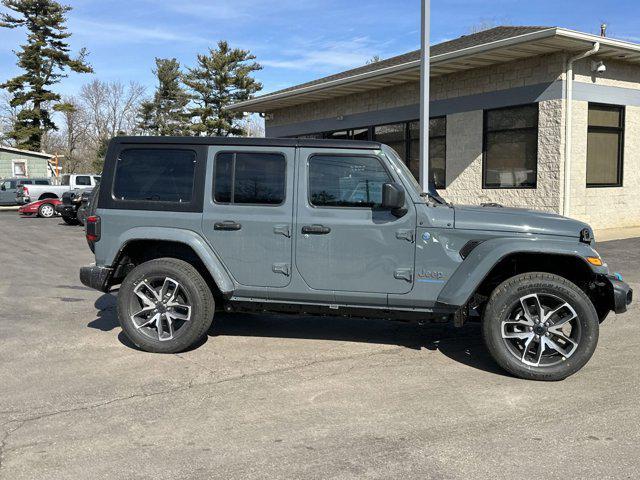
pixel 424 95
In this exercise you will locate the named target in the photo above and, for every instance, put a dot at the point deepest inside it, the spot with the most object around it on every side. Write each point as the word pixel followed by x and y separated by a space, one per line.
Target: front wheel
pixel 46 210
pixel 540 326
pixel 165 306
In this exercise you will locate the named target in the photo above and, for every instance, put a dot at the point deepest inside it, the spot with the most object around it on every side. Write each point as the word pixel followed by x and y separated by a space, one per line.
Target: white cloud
pixel 110 32
pixel 327 56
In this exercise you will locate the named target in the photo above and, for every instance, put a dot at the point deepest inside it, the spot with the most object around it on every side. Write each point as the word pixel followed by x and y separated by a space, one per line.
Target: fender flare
pixel 202 249
pixel 475 268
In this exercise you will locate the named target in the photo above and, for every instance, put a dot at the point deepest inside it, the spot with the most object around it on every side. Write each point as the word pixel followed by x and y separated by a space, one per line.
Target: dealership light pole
pixel 424 95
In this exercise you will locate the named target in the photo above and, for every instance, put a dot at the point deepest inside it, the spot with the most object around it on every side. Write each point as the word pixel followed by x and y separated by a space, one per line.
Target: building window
pixel 19 168
pixel 511 147
pixel 605 145
pixel 394 136
pixel 437 150
pixel 346 181
pixel 249 178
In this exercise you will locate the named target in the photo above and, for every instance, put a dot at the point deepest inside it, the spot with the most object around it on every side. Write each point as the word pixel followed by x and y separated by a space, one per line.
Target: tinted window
pixel 343 181
pixel 605 139
pixel 157 175
pixel 511 147
pixel 437 150
pixel 42 182
pixel 96 180
pixel 393 136
pixel 66 180
pixel 256 178
pixel 83 180
pixel 25 182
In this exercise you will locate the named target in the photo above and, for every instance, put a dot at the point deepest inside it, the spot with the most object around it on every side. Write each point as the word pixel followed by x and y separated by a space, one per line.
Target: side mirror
pixel 2 187
pixel 393 198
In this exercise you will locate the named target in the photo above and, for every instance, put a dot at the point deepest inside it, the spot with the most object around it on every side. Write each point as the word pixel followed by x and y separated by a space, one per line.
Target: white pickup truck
pixel 32 193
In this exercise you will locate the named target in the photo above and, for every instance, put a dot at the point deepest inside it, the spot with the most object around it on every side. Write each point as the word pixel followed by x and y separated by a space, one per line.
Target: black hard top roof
pixel 251 142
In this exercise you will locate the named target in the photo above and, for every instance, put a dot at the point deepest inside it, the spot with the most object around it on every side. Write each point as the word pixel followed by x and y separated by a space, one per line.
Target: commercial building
pixel 500 118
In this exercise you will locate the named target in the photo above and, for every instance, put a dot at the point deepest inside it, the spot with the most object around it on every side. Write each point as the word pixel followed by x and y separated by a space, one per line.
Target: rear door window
pixel 155 175
pixel 250 178
pixel 42 182
pixel 83 180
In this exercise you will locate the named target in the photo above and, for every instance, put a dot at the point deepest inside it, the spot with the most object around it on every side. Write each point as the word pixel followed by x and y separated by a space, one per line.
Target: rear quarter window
pixel 155 175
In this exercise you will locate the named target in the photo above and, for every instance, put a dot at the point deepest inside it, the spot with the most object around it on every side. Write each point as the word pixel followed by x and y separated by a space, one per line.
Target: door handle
pixel 315 230
pixel 227 226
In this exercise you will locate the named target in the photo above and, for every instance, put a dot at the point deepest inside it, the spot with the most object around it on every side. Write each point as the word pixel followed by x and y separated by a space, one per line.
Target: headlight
pixel 586 235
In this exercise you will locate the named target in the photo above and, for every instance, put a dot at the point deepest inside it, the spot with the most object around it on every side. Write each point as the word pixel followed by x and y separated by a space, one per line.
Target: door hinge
pixel 282 268
pixel 408 235
pixel 282 230
pixel 404 274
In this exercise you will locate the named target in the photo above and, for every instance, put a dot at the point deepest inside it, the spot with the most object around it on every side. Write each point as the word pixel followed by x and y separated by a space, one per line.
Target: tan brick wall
pixel 464 162
pixel 618 74
pixel 532 71
pixel 606 207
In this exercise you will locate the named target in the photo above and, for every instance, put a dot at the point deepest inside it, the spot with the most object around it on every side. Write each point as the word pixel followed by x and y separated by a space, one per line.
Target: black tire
pixel 194 292
pixel 70 220
pixel 46 210
pixel 506 299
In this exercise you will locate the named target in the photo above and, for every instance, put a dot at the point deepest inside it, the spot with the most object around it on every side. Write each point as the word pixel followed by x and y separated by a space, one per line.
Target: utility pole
pixel 424 95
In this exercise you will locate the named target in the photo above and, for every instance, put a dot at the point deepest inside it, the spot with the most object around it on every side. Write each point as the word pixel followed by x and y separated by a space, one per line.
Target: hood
pixel 517 220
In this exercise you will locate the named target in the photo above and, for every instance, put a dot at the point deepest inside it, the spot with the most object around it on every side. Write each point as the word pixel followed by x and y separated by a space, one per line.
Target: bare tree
pixel 253 126
pixel 74 135
pixel 111 107
pixel 8 116
pixel 482 26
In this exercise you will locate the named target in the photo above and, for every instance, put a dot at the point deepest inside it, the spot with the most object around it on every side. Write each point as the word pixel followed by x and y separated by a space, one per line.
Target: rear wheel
pixel 70 220
pixel 165 306
pixel 46 210
pixel 540 326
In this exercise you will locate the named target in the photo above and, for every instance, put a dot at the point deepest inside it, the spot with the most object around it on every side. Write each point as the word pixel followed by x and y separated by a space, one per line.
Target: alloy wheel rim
pixel 47 211
pixel 162 308
pixel 542 330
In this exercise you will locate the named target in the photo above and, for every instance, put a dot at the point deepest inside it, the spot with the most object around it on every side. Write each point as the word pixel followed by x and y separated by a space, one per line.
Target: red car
pixel 43 208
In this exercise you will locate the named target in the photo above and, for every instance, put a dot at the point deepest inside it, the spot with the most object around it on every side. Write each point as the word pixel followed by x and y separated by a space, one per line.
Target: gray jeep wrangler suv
pixel 188 226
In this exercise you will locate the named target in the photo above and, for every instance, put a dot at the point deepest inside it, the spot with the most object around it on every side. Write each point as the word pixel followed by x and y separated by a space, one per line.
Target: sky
pixel 294 40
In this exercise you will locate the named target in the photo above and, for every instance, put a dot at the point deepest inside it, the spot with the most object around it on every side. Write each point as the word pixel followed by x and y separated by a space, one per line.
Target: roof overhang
pixel 492 53
pixel 26 152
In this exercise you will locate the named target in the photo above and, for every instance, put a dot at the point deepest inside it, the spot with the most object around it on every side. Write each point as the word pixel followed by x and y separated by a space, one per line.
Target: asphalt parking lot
pixel 281 397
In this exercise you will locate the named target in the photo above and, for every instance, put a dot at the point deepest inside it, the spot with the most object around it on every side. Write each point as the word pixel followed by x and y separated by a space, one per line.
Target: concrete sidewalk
pixel 608 234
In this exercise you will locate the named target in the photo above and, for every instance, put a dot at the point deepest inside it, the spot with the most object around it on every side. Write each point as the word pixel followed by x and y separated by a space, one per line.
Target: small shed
pixel 15 162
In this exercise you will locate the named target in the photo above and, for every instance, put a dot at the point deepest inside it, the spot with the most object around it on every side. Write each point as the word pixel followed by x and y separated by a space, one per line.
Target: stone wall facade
pixel 464 162
pixel 532 71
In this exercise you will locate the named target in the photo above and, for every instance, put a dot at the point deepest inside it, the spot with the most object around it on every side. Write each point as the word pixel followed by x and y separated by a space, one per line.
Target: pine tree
pixel 165 113
pixel 44 58
pixel 221 78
